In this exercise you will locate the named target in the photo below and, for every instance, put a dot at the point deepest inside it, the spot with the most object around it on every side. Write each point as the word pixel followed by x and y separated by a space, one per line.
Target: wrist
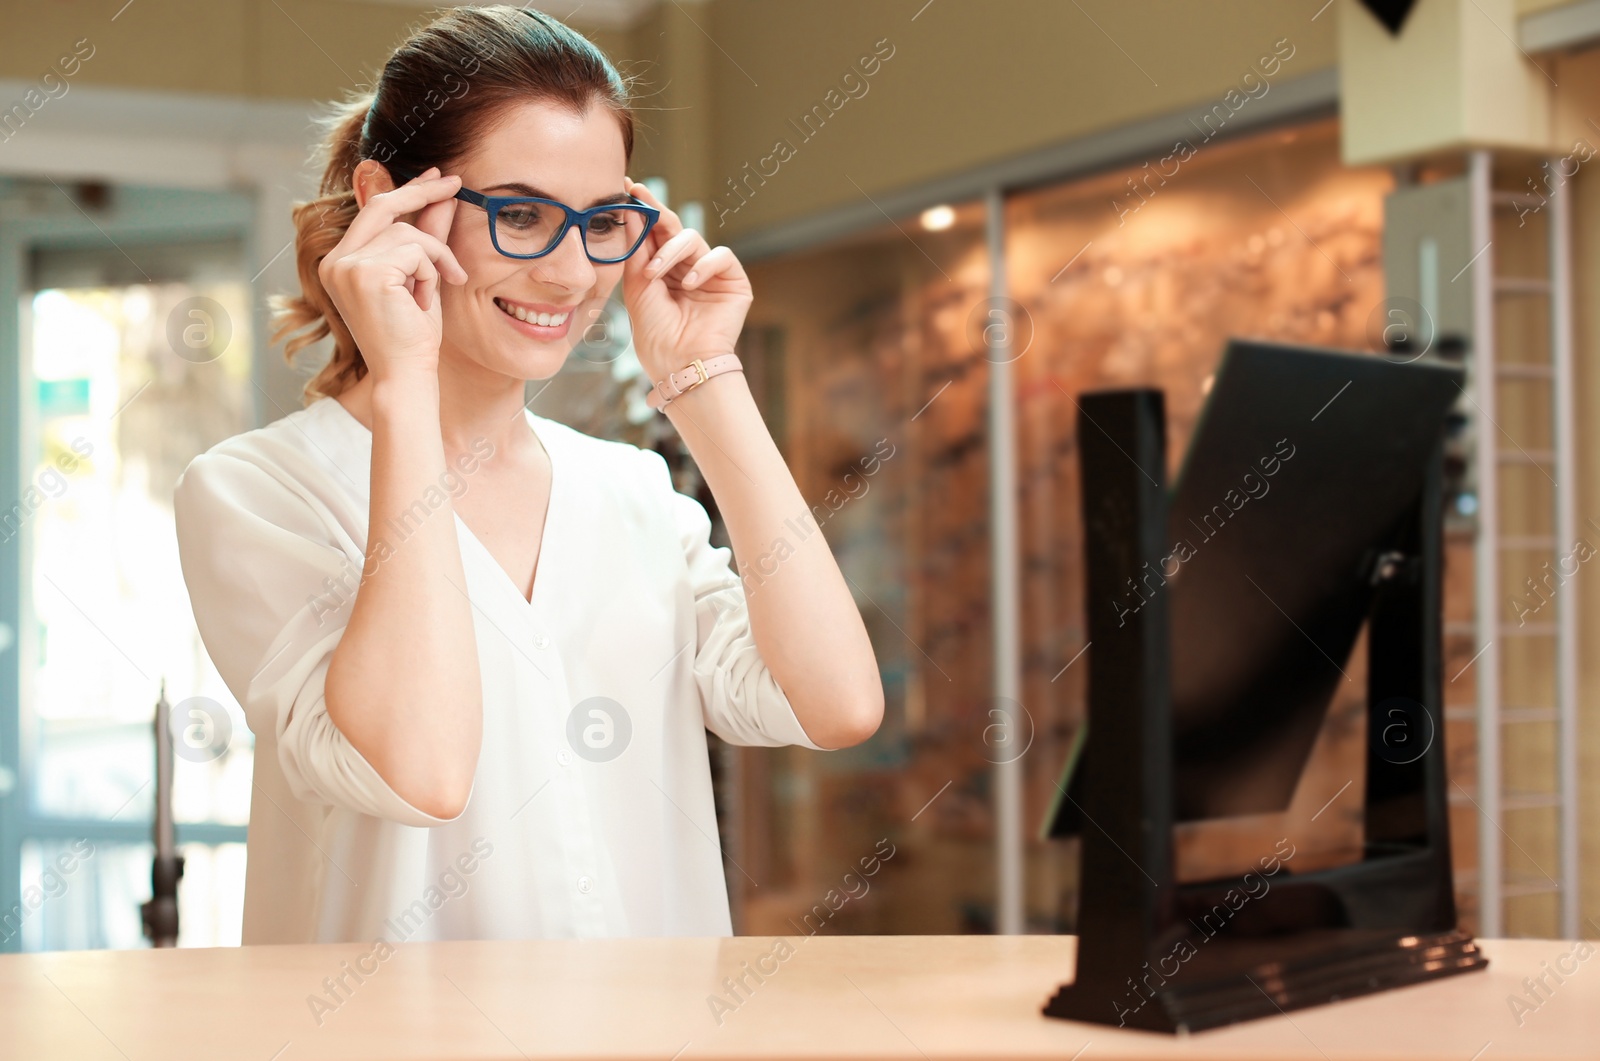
pixel 659 365
pixel 716 395
pixel 405 393
pixel 694 372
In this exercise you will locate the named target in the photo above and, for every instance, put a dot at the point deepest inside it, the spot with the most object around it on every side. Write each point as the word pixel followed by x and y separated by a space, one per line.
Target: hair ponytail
pixel 436 91
pixel 319 225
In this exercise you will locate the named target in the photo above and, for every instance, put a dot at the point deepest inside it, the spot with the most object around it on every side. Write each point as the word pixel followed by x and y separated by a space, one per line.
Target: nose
pixel 568 265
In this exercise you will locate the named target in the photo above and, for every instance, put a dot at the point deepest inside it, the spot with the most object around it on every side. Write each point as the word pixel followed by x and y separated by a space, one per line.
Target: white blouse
pixel 591 812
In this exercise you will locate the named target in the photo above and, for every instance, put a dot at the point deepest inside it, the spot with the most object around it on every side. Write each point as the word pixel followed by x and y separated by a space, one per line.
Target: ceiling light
pixel 938 218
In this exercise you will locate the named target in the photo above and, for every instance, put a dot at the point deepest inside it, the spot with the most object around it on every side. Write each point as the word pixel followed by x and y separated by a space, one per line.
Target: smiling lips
pixel 527 315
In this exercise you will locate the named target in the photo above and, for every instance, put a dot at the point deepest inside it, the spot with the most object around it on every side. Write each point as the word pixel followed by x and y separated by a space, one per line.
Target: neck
pixel 474 403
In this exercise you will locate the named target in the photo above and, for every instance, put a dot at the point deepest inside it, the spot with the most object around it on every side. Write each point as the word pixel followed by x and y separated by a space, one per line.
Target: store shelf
pixel 1538 372
pixel 1509 800
pixel 1527 542
pixel 1508 715
pixel 1516 199
pixel 1521 285
pixel 1511 886
pixel 1528 630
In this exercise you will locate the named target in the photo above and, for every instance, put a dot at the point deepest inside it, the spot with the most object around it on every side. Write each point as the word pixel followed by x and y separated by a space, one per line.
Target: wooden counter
pixel 827 997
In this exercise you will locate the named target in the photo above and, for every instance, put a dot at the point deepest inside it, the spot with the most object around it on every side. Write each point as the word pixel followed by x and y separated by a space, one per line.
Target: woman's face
pixel 547 150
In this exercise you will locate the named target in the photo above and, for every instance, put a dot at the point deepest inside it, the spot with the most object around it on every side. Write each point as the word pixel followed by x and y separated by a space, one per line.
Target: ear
pixel 369 179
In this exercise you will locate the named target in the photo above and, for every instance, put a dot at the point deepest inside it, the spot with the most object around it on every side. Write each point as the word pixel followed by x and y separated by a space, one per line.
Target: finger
pixel 407 266
pixel 385 207
pixel 401 234
pixel 435 220
pixel 669 223
pixel 686 244
pixel 426 287
pixel 653 240
pixel 718 261
pixel 633 223
pixel 634 265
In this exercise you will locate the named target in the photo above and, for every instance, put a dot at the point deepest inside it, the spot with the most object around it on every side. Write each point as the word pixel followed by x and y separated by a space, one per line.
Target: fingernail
pixel 691 278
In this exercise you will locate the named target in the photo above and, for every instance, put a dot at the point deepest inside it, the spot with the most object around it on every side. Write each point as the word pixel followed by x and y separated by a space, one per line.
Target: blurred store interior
pixel 1119 187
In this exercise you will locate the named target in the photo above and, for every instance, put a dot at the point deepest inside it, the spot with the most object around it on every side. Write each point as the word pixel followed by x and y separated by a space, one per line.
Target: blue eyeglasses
pixel 526 226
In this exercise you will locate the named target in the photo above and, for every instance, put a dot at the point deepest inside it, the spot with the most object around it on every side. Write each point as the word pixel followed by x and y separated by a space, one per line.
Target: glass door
pixel 132 358
pixel 874 378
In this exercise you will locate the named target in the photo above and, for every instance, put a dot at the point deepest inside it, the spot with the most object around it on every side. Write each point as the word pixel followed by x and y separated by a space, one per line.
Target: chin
pixel 531 360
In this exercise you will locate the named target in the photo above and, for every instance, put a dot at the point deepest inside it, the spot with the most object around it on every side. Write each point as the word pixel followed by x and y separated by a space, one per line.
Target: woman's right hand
pixel 384 275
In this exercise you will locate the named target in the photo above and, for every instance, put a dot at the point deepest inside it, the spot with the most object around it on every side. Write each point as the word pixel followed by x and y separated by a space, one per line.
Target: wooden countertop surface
pixel 826 997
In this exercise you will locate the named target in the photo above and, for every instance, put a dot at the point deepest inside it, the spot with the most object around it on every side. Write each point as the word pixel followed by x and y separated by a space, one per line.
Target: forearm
pixel 805 621
pixel 403 685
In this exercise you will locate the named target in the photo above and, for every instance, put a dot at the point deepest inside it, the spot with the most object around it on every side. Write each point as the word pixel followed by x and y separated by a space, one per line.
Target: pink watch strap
pixel 691 376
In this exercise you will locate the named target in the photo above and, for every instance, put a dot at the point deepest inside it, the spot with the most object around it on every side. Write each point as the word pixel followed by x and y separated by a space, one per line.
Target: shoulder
pixel 608 458
pixel 296 455
pixel 322 425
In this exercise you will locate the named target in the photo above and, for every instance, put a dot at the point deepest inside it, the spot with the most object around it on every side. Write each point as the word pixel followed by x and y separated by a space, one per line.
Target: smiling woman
pixel 560 621
pixel 438 90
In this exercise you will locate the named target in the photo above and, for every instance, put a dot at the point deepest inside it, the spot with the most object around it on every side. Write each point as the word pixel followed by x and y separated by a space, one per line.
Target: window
pixel 135 357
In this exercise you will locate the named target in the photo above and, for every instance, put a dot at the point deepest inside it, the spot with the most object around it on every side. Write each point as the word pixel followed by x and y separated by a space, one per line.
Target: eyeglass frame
pixel 492 204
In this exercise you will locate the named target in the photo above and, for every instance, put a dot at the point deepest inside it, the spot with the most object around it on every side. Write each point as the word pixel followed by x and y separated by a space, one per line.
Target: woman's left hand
pixel 685 298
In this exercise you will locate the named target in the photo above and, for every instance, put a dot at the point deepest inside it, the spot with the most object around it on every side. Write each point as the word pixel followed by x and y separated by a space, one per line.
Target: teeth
pixel 547 320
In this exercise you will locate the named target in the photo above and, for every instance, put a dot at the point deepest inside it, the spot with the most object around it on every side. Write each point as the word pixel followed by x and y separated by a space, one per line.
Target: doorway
pixel 128 351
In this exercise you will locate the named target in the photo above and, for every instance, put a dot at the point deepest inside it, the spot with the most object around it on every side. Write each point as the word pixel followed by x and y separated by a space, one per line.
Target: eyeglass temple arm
pixel 404 176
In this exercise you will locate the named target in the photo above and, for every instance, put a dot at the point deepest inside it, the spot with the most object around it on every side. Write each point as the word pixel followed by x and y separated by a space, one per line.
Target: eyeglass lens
pixel 532 228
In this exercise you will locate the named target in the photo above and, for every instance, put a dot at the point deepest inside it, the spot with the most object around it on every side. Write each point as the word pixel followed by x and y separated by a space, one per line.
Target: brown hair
pixel 418 116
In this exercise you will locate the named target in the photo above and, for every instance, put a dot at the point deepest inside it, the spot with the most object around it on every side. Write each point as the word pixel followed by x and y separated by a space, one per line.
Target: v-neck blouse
pixel 469 538
pixel 591 810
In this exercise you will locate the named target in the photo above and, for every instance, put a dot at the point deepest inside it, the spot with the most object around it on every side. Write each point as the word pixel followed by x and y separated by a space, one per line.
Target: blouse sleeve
pixel 272 594
pixel 739 697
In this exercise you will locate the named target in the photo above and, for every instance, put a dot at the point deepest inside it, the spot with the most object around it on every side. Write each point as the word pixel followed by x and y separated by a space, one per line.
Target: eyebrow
pixel 526 189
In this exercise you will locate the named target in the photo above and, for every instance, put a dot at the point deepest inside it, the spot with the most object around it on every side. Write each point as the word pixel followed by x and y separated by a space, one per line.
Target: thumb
pixel 633 266
pixel 634 283
pixel 436 219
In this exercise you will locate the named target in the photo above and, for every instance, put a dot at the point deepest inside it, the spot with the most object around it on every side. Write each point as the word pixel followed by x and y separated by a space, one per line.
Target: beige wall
pixel 260 49
pixel 673 110
pixel 969 82
pixel 1464 81
pixel 1532 7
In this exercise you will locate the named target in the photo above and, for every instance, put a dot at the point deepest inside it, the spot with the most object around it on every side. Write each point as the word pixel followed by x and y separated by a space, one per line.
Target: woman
pixel 479 650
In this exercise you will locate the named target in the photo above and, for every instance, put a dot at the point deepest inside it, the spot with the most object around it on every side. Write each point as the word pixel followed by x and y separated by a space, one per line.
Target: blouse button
pixel 583 884
pixel 540 641
pixel 563 757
